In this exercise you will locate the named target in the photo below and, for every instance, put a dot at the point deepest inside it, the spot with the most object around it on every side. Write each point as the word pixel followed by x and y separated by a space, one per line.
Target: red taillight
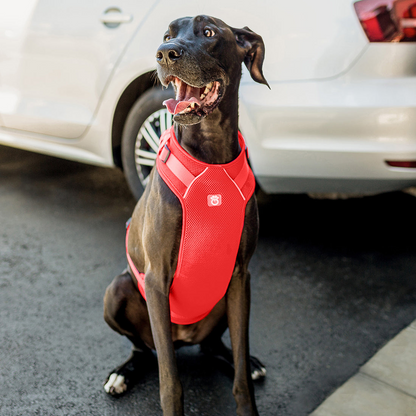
pixel 388 20
pixel 409 164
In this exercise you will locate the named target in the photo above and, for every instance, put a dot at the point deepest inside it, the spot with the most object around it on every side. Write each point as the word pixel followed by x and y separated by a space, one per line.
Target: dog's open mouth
pixel 194 100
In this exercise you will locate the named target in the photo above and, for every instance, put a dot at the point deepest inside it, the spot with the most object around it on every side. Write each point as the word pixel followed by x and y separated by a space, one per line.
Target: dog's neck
pixel 215 139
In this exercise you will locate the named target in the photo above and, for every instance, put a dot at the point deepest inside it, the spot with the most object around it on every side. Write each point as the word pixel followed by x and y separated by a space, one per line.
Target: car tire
pixel 145 123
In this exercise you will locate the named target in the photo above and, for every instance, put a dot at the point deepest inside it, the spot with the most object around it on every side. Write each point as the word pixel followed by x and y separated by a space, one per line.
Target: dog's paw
pixel 115 384
pixel 123 377
pixel 258 370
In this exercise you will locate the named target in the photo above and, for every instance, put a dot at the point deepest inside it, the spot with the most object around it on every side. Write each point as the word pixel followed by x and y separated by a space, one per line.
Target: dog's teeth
pixel 202 96
pixel 193 105
pixel 208 88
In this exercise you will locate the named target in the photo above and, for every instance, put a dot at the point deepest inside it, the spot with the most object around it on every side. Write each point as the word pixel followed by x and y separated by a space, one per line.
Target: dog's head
pixel 202 57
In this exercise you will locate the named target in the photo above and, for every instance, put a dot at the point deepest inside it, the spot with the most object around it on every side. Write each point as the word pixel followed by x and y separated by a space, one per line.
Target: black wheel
pixel 145 123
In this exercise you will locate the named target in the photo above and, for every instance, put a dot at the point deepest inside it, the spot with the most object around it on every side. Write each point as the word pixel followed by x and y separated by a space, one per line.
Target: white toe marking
pixel 256 374
pixel 115 384
pixel 109 383
pixel 119 385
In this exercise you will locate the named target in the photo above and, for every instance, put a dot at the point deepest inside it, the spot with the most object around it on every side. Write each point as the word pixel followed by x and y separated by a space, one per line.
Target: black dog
pixel 202 56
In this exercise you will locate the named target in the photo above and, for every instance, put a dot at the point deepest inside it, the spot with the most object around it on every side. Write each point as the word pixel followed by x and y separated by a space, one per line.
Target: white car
pixel 77 81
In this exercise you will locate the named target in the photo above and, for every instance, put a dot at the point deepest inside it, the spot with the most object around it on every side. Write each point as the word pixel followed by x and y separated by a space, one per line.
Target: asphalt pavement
pixel 332 283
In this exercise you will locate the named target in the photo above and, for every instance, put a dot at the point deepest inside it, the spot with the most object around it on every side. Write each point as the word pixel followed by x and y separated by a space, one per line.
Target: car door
pixel 56 58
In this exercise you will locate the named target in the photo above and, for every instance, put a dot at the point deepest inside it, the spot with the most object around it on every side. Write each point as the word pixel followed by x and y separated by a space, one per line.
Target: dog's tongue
pixel 176 106
pixel 185 96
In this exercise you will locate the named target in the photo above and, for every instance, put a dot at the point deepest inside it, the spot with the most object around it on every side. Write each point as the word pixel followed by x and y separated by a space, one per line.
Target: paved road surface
pixel 332 282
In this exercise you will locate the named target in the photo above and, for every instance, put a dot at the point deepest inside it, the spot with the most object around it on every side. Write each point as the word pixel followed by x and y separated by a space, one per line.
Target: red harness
pixel 213 199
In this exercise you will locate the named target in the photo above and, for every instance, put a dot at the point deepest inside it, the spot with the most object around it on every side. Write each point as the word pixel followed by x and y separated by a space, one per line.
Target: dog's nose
pixel 168 54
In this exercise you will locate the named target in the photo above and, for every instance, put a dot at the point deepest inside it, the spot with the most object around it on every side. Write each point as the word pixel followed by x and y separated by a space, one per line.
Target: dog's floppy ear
pixel 253 46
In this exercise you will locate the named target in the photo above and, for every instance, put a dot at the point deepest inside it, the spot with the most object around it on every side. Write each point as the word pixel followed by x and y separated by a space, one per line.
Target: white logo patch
pixel 214 200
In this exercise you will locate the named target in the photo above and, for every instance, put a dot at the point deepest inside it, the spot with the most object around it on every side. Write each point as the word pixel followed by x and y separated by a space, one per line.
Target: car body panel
pixel 56 58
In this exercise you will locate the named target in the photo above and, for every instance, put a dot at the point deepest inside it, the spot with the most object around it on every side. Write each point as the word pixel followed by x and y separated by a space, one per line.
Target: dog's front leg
pixel 157 296
pixel 238 312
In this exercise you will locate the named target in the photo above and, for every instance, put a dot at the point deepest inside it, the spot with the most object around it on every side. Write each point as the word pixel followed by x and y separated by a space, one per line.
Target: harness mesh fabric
pixel 213 210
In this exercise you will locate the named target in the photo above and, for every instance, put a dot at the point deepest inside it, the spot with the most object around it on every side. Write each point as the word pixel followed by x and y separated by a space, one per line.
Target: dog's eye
pixel 239 41
pixel 167 38
pixel 209 33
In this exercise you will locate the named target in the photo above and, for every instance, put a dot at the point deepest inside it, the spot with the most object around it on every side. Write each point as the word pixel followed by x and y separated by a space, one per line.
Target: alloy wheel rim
pixel 147 143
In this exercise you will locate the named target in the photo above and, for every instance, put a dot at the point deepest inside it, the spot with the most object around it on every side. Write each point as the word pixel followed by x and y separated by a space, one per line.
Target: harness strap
pixel 139 276
pixel 176 166
pixel 242 176
pixel 184 175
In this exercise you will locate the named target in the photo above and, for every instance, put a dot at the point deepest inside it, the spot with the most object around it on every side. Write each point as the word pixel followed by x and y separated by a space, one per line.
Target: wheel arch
pixel 129 96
